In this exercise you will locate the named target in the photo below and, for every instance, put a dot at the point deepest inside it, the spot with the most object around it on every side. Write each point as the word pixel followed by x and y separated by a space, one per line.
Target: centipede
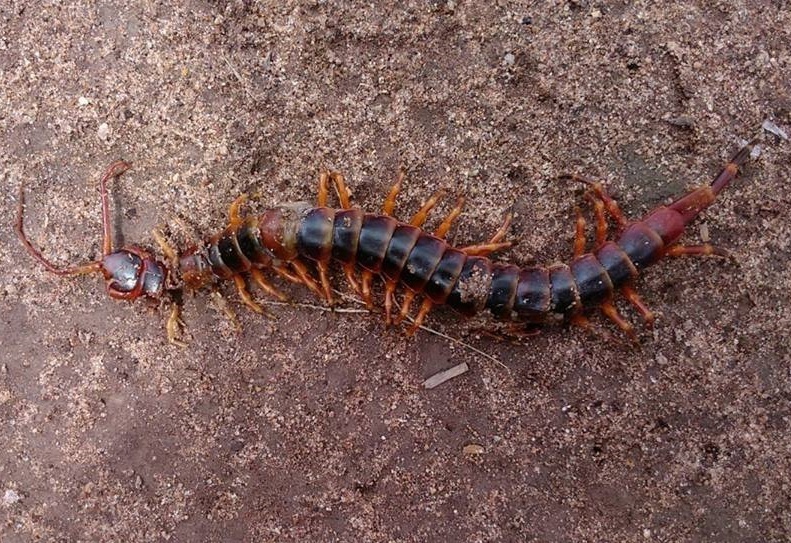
pixel 300 242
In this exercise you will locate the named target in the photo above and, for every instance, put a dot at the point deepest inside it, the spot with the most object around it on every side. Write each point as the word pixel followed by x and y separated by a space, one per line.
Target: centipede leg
pixel 443 228
pixel 287 275
pixel 494 244
pixel 633 298
pixel 425 307
pixel 227 310
pixel 321 199
pixel 266 286
pixel 598 189
pixel 420 217
pixel 601 219
pixel 389 205
pixel 341 189
pixel 247 298
pixel 696 250
pixel 304 277
pixel 579 234
pixel 174 325
pixel 325 281
pixel 611 312
pixel 233 210
pixel 406 305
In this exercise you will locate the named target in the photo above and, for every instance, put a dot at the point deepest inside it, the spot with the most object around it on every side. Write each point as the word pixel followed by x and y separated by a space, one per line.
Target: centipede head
pixel 129 272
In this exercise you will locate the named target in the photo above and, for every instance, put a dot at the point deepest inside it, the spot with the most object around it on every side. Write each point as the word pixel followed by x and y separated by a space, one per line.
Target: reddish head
pixel 130 272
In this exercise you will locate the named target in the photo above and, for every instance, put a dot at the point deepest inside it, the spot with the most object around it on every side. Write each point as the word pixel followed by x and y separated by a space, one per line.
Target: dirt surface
pixel 312 426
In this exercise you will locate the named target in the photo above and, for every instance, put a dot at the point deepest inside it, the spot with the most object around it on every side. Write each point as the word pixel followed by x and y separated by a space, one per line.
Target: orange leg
pixel 597 189
pixel 349 271
pixel 367 281
pixel 174 325
pixel 612 313
pixel 389 204
pixel 325 281
pixel 390 288
pixel 247 298
pixel 341 189
pixel 425 307
pixel 304 276
pixel 321 199
pixel 696 250
pixel 601 219
pixel 579 234
pixel 420 217
pixel 494 244
pixel 443 228
pixel 631 295
pixel 405 306
pixel 233 211
pixel 285 273
pixel 266 286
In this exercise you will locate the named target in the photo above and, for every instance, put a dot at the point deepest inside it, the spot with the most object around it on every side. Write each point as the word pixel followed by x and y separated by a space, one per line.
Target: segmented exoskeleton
pixel 286 238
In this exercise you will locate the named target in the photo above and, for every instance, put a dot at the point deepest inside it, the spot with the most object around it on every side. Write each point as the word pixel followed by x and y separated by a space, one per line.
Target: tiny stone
pixel 509 59
pixel 83 101
pixel 473 448
pixel 11 497
pixel 138 482
pixel 104 131
pixel 596 14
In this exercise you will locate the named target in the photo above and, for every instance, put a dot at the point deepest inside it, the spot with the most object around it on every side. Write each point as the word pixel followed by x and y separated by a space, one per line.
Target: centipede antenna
pixel 80 269
pixel 113 170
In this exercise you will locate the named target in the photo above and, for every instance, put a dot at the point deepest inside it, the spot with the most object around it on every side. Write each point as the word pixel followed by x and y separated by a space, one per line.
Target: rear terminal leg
pixel 696 250
pixel 601 219
pixel 579 234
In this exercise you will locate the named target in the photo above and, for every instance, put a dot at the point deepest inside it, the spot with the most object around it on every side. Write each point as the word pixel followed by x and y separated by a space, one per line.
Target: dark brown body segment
pixel 401 244
pixel 346 234
pixel 375 236
pixel 314 236
pixel 445 275
pixel 593 283
pixel 503 290
pixel 533 295
pixel 422 261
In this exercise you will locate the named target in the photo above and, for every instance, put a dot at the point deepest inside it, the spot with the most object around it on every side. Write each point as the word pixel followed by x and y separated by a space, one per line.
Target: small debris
pixel 509 59
pixel 473 448
pixel 11 497
pixel 682 121
pixel 704 233
pixel 769 126
pixel 446 375
pixel 83 101
pixel 104 131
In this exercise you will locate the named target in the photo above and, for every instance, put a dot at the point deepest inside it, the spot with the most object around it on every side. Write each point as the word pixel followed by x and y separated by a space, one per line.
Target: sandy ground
pixel 312 426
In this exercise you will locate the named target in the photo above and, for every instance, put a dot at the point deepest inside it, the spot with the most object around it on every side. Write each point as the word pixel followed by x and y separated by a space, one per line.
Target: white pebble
pixel 11 497
pixel 83 101
pixel 104 131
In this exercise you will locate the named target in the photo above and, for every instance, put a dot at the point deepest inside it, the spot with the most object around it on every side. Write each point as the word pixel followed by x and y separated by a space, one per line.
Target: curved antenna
pixel 114 170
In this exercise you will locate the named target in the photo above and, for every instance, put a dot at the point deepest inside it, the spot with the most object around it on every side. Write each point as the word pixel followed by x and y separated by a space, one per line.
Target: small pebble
pixel 509 59
pixel 11 497
pixel 104 131
pixel 83 101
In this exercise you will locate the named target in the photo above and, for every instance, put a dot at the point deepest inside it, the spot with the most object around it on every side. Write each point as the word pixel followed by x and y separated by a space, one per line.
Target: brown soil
pixel 315 427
